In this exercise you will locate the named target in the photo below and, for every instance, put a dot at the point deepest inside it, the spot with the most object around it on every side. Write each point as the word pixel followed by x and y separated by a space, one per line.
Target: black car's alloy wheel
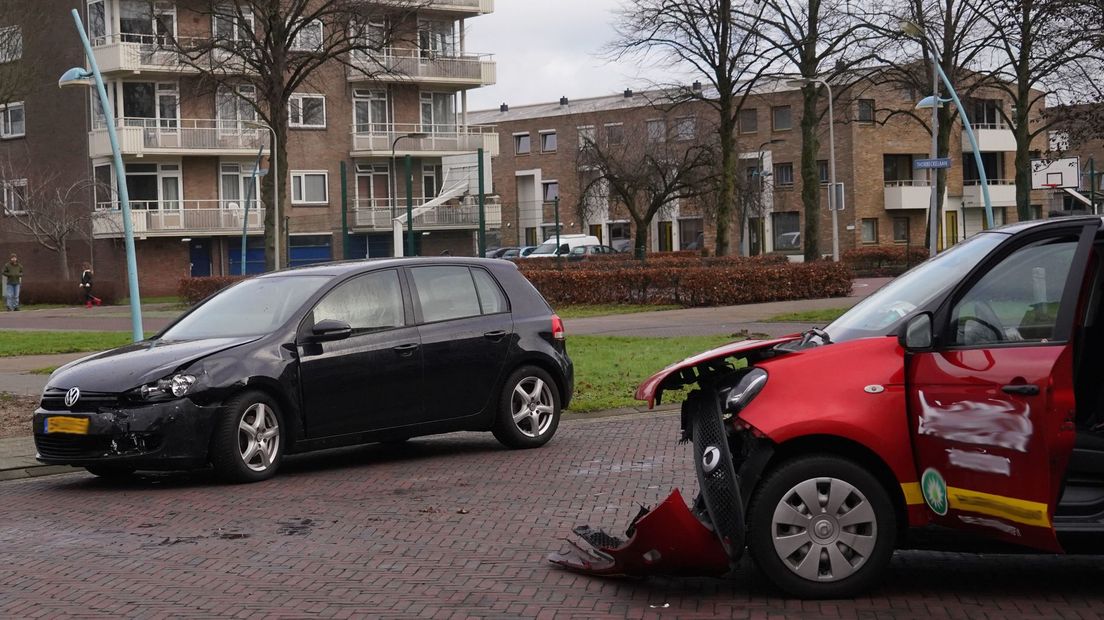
pixel 528 410
pixel 248 442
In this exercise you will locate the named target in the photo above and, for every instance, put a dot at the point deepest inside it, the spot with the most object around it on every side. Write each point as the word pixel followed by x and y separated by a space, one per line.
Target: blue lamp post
pixel 78 76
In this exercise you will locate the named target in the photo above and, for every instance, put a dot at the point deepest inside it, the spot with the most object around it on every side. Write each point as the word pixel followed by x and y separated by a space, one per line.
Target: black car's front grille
pixel 53 399
pixel 62 446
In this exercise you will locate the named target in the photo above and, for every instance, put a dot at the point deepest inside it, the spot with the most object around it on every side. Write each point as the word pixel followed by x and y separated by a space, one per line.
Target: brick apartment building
pixel 886 198
pixel 190 152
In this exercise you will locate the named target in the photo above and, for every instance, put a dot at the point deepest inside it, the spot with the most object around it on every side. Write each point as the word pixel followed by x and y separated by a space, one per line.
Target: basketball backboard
pixel 1056 173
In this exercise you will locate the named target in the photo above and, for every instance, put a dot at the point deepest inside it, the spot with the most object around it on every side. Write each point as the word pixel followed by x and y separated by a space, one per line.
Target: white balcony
pixel 907 195
pixel 411 65
pixel 1002 193
pixel 150 136
pixel 991 138
pixel 376 139
pixel 135 53
pixel 379 214
pixel 177 218
pixel 472 7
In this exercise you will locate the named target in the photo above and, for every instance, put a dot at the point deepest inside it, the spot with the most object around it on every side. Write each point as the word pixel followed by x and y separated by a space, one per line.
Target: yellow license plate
pixel 62 424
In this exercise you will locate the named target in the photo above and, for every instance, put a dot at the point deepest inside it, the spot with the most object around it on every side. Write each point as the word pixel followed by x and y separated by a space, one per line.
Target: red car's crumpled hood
pixel 648 390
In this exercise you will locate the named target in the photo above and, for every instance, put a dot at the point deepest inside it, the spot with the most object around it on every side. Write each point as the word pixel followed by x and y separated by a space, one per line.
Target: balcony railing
pixel 377 138
pixel 170 218
pixel 424 66
pixel 142 52
pixel 379 214
pixel 907 194
pixel 151 136
pixel 1002 193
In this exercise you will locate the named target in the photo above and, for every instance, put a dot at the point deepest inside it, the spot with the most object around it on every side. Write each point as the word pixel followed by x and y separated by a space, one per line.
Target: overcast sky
pixel 546 49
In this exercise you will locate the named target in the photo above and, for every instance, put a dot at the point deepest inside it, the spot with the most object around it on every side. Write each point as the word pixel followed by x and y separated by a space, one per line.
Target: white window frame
pixel 238 28
pixel 7 193
pixel 5 120
pixel 296 101
pixel 620 127
pixel 297 44
pixel 586 133
pixel 548 132
pixel 11 44
pixel 689 123
pixel 368 95
pixel 657 130
pixel 300 176
pixel 544 190
pixel 524 134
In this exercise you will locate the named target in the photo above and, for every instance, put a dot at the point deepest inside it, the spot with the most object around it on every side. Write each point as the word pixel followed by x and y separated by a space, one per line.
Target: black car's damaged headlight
pixel 169 388
pixel 747 388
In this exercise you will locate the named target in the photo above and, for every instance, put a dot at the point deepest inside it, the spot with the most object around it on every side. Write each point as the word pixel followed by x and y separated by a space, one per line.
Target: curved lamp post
pixel 832 198
pixel 275 190
pixel 79 76
pixel 409 189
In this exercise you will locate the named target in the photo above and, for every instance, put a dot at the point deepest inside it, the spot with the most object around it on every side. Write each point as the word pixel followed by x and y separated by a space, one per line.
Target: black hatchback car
pixel 317 357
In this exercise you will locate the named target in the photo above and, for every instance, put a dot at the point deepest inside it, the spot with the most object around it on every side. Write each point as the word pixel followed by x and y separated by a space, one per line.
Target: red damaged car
pixel 959 407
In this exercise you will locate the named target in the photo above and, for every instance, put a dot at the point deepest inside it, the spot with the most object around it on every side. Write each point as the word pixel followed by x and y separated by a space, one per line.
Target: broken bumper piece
pixel 668 540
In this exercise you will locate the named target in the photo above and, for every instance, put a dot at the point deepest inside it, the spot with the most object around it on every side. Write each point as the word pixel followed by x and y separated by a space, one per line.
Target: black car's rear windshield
pixel 250 308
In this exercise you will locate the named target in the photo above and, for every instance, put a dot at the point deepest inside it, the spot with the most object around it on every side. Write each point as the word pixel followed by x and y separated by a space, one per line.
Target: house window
pixel 896 168
pixel 865 111
pixel 531 235
pixel 232 24
pixel 985 113
pixel 13 123
pixel 783 175
pixel 900 230
pixel 548 141
pixel 234 106
pixel 307 111
pixel 586 136
pixel 870 230
pixel 14 196
pixel 781 118
pixel 522 144
pixel 309 187
pixel 97 21
pixel 822 171
pixel 787 231
pixel 686 128
pixel 309 37
pixel 11 44
pixel 657 131
pixel 438 112
pixel 550 190
pixel 436 38
pixel 749 121
pixel 691 234
pixel 370 111
pixel 615 134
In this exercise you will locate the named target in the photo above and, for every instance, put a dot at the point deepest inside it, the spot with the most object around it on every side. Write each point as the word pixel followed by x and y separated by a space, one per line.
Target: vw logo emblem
pixel 72 396
pixel 711 457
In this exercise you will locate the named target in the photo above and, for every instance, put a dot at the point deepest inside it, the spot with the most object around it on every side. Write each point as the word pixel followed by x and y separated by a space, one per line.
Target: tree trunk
pixel 63 260
pixel 640 237
pixel 279 173
pixel 1023 153
pixel 727 188
pixel 810 173
pixel 943 149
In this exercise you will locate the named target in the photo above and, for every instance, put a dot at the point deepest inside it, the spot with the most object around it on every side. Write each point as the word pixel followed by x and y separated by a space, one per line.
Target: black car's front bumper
pixel 171 435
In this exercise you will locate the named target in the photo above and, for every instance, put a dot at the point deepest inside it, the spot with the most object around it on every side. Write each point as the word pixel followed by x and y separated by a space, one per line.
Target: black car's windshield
pixel 880 313
pixel 250 308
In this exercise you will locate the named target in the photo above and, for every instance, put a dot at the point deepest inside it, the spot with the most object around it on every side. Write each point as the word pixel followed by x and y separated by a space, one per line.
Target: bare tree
pixel 646 172
pixel 716 40
pixel 47 211
pixel 277 47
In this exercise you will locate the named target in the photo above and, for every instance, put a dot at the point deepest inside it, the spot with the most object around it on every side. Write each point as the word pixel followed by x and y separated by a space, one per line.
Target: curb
pixel 36 471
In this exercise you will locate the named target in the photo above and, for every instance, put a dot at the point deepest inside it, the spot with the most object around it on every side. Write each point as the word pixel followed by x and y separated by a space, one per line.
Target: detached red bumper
pixel 666 540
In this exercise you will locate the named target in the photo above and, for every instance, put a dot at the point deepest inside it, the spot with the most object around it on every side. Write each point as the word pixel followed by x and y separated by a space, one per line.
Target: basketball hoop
pixel 1052 185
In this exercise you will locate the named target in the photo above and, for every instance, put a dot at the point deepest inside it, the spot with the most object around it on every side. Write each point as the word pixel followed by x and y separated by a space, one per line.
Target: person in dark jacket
pixel 86 287
pixel 13 276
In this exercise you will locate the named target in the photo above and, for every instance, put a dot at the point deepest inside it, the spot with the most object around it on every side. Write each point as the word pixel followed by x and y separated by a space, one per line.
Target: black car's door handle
pixel 496 335
pixel 406 349
pixel 1023 389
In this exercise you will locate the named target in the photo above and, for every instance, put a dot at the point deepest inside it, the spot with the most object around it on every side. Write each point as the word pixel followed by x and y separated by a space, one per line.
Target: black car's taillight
pixel 558 332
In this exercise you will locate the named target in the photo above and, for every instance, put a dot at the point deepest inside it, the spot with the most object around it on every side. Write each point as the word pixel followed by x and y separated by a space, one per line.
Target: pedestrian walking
pixel 86 287
pixel 13 275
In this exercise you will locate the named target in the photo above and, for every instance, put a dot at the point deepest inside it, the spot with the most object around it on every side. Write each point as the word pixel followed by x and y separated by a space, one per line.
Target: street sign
pixel 836 200
pixel 928 164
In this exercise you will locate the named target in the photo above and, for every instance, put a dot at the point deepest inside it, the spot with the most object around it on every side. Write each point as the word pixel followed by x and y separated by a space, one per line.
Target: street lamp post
pixel 834 199
pixel 275 186
pixel 761 175
pixel 409 198
pixel 78 76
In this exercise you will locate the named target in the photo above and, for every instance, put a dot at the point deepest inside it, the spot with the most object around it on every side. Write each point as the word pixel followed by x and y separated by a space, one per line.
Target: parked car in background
pixel 566 244
pixel 317 357
pixel 506 252
pixel 582 251
pixel 510 253
pixel 526 250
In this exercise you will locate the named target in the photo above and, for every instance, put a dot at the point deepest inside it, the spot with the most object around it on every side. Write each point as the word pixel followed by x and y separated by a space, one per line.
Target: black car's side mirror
pixel 916 334
pixel 330 329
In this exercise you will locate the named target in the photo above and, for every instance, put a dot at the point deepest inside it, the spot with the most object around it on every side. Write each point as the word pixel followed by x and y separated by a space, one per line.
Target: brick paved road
pixel 378 532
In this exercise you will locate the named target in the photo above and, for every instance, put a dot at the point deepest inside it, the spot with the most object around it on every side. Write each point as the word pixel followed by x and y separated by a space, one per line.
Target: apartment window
pixel 14 196
pixel 309 187
pixel 657 131
pixel 686 128
pixel 522 144
pixel 783 175
pixel 865 111
pixel 787 231
pixel 309 37
pixel 438 112
pixel 691 234
pixel 232 24
pixel 900 230
pixel 870 230
pixel 307 111
pixel 431 176
pixel 615 134
pixel 781 118
pixel 985 113
pixel 548 141
pixel 531 235
pixel 370 110
pixel 550 190
pixel 587 133
pixel 97 21
pixel 822 171
pixel 436 38
pixel 897 168
pixel 13 123
pixel 11 44
pixel 749 120
pixel 235 106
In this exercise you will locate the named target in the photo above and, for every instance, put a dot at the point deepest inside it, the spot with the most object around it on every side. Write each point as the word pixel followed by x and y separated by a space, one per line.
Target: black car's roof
pixel 345 267
pixel 1020 227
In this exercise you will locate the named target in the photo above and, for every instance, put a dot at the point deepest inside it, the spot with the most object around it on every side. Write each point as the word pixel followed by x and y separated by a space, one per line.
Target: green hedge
pixel 64 292
pixel 195 290
pixel 883 260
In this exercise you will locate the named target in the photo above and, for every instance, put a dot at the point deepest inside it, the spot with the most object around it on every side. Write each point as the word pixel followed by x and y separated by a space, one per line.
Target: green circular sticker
pixel 934 489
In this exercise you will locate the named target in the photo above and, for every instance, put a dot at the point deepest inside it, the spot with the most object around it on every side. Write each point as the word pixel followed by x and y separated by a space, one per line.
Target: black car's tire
pixel 111 472
pixel 248 441
pixel 528 409
pixel 833 518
